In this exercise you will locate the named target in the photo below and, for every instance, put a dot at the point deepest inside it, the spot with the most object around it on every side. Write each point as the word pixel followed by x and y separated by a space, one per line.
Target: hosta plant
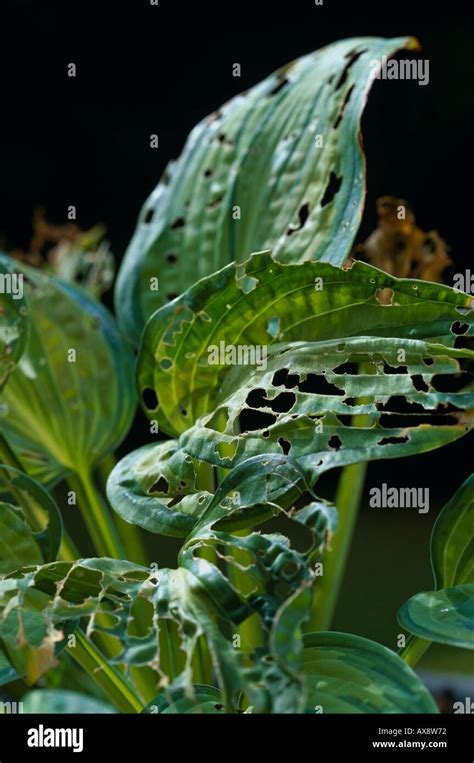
pixel 262 364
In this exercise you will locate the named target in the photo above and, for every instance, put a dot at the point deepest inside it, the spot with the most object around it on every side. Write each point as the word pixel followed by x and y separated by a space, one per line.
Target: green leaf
pixel 66 416
pixel 445 616
pixel 303 401
pixel 350 674
pixel 205 699
pixel 13 319
pixel 57 701
pixel 155 487
pixel 261 172
pixel 37 504
pixel 452 539
pixel 17 543
pixel 241 306
pixel 200 599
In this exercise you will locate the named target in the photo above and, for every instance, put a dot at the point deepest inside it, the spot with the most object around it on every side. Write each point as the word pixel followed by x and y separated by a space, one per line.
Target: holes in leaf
pixel 346 369
pixel 150 399
pixel 289 570
pixel 343 107
pixel 335 442
pixel 171 296
pixel 284 445
pixel 160 486
pixel 459 328
pixel 208 173
pixel 419 383
pixel 171 258
pixel 178 223
pixel 282 403
pixel 352 58
pixel 283 378
pixel 448 382
pixel 303 214
pixel 428 361
pixel 166 363
pixel 149 216
pixel 392 440
pixel 183 411
pixel 283 83
pixel 332 188
pixel 252 421
pixel 319 385
pixel 218 706
pixel 384 297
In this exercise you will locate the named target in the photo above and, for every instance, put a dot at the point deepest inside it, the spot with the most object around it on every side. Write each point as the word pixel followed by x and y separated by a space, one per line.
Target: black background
pixel 144 69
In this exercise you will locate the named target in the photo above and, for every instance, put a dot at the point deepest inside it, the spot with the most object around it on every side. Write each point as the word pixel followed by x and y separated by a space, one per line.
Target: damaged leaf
pixel 279 167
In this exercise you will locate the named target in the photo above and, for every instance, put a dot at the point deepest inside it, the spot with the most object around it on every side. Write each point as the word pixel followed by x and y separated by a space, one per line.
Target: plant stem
pixel 96 516
pixel 414 650
pixel 348 496
pixel 131 535
pixel 105 467
pixel 111 681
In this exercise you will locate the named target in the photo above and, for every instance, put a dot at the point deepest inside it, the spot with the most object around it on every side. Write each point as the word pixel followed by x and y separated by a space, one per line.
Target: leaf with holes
pixel 279 167
pixel 71 399
pixel 350 674
pixel 191 346
pixel 199 598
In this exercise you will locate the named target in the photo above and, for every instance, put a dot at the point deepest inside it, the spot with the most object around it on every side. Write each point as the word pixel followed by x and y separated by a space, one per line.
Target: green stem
pixel 111 681
pixel 414 650
pixel 131 535
pixel 96 516
pixel 105 467
pixel 348 496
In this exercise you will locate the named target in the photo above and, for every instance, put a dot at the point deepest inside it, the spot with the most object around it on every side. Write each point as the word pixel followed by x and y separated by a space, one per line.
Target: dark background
pixel 145 69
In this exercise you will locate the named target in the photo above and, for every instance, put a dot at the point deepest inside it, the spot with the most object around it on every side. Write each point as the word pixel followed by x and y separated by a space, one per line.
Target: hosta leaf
pixel 452 540
pixel 60 701
pixel 19 545
pixel 200 598
pixel 66 414
pixel 350 674
pixel 205 699
pixel 13 319
pixel 155 487
pixel 445 616
pixel 278 167
pixel 261 303
pixel 302 402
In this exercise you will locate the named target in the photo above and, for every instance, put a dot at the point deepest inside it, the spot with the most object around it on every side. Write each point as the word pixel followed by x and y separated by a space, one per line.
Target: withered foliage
pixel 400 247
